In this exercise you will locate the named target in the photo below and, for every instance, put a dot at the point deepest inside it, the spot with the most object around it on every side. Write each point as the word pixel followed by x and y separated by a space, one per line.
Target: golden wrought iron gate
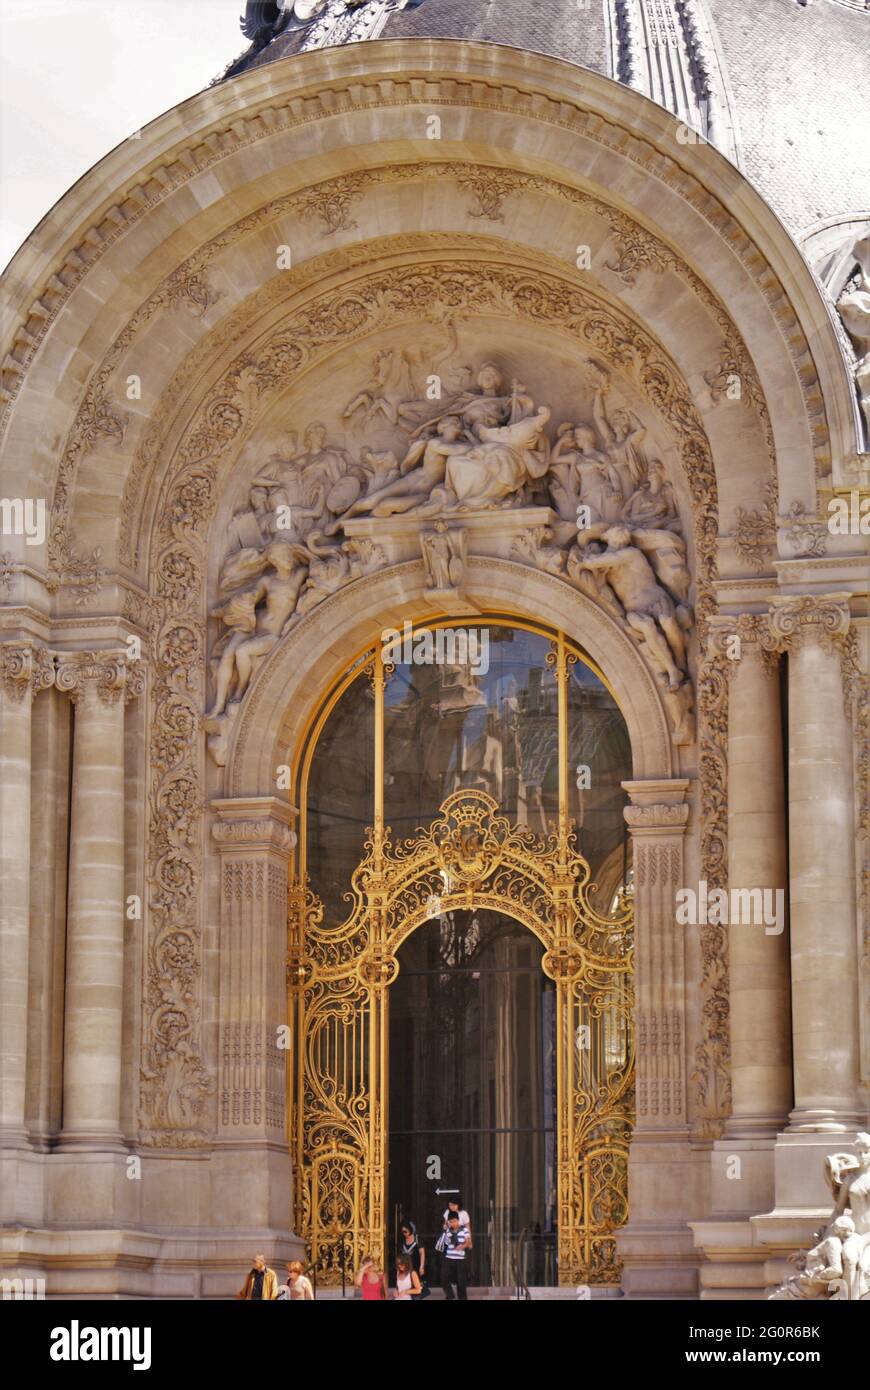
pixel 470 857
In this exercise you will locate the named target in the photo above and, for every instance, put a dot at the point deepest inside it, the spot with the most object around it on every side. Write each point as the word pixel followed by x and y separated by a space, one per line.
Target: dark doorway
pixel 472 1094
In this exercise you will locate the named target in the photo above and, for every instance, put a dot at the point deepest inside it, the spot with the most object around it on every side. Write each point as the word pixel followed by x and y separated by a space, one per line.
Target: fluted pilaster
pixel 813 631
pixel 98 684
pixel 25 670
pixel 255 839
pixel 657 829
pixel 758 958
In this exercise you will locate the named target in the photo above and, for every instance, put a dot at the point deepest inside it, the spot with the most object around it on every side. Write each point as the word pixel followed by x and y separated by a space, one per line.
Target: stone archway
pixel 278 709
pixel 161 263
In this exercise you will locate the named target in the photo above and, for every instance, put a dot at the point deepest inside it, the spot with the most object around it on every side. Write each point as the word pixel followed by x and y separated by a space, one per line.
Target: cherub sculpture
pixel 838 1266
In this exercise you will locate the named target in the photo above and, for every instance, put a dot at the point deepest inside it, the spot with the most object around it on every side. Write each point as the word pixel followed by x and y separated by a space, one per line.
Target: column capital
pixel 656 817
pixel 798 619
pixel 25 666
pixel 254 823
pixel 657 804
pixel 743 635
pixel 106 675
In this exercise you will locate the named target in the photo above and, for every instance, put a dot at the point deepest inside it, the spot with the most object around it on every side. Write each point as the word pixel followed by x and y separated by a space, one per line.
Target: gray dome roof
pixel 776 85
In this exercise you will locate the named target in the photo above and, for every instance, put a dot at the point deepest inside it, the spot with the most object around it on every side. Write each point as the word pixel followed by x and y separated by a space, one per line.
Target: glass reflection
pixel 452 726
pixel 599 761
pixel 341 797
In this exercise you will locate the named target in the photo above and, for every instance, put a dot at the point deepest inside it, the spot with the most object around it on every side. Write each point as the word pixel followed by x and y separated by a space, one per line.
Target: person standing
pixel 261 1283
pixel 409 1245
pixel 455 1205
pixel 454 1274
pixel 407 1284
pixel 371 1281
pixel 298 1286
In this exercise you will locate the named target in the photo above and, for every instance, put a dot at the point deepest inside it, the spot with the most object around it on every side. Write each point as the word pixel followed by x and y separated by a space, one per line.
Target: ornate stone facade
pixel 556 367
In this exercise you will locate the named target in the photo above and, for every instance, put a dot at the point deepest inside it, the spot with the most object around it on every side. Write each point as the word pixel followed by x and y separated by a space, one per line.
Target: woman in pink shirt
pixel 371 1281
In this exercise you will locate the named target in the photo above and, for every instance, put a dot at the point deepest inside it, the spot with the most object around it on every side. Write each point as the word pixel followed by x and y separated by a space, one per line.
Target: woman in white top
pixel 298 1287
pixel 455 1204
pixel 407 1283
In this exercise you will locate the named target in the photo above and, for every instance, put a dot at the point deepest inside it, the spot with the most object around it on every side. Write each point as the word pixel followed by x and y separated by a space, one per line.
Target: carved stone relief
pixel 483 446
pixel 854 307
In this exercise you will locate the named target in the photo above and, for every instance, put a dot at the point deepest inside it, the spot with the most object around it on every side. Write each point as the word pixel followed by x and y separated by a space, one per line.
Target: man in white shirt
pixel 454 1275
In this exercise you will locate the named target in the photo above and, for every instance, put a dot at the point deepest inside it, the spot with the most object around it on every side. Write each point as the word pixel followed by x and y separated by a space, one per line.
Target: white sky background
pixel 78 76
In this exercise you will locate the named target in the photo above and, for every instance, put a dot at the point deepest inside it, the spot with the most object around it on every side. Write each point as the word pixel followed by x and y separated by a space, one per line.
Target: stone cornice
pixel 657 805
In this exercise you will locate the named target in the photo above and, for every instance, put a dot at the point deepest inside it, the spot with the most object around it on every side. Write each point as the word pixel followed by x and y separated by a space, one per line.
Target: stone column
pixel 96 682
pixel 49 838
pixel 656 1245
pixel 24 670
pixel 255 839
pixel 824 953
pixel 742 1160
pixel 761 1077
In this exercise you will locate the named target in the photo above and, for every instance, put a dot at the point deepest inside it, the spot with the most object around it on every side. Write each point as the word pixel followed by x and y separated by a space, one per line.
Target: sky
pixel 79 76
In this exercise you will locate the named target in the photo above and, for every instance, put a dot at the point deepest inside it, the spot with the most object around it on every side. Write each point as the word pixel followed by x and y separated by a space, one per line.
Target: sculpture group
pixel 838 1265
pixel 475 444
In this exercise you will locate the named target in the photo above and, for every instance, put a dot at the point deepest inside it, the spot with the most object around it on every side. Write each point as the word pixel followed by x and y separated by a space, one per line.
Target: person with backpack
pixel 454 1274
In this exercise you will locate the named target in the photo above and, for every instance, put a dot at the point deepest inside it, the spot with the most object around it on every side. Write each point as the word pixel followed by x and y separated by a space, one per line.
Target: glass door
pixel 472 1094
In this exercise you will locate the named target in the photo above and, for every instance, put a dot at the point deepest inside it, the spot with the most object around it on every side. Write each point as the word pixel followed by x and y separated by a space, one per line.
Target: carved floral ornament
pixel 261 834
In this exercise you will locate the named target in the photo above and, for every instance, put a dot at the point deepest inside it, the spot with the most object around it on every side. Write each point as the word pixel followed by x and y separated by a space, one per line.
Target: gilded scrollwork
pixel 469 856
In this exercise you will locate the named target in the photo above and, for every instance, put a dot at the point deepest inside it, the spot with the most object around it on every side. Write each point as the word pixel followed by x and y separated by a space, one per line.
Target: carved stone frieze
pixel 656 817
pixel 255 834
pixel 483 446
